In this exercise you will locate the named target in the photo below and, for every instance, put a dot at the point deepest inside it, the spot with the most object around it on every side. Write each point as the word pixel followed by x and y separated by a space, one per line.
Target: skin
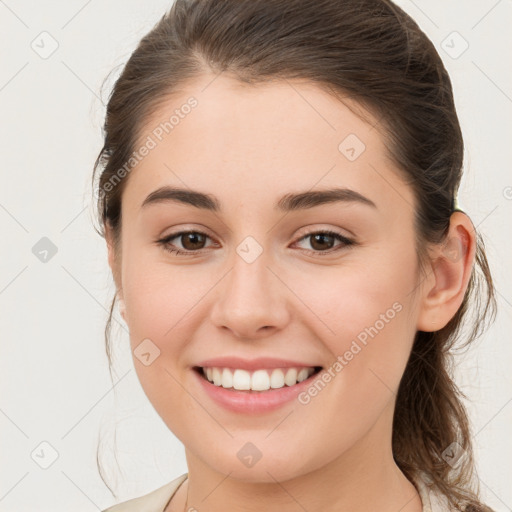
pixel 248 146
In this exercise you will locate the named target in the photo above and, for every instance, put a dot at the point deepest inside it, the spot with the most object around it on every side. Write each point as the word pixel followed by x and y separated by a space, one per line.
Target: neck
pixel 363 478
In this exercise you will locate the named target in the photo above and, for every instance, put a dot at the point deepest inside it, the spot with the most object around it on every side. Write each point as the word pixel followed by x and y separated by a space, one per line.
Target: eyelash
pixel 347 242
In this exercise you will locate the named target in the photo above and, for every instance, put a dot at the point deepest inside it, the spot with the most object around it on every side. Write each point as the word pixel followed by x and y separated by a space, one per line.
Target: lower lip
pixel 253 402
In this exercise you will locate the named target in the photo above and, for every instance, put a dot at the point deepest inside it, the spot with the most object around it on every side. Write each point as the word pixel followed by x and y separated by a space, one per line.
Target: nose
pixel 251 300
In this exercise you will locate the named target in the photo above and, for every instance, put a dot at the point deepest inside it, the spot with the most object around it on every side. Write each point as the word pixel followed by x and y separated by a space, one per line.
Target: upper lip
pixel 253 364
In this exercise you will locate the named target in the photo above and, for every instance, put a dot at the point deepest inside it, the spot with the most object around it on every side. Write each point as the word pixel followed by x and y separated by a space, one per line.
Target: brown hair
pixel 372 51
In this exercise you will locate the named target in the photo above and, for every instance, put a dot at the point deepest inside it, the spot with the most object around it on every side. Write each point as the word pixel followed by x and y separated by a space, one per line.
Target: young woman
pixel 277 190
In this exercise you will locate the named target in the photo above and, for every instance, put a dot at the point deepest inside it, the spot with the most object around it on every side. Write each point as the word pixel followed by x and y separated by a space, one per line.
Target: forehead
pixel 245 142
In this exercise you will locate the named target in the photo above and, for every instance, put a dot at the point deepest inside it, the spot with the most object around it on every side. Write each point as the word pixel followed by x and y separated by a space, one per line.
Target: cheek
pixel 165 307
pixel 365 313
pixel 367 327
pixel 158 295
pixel 158 298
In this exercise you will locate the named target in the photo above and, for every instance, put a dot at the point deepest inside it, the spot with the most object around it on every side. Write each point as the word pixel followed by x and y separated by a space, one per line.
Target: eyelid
pixel 311 230
pixel 346 242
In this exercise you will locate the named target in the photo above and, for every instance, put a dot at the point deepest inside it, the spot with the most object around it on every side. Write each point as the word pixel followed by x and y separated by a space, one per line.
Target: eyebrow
pixel 287 203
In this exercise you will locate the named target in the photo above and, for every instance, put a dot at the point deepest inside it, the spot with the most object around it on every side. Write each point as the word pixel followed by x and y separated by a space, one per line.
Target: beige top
pixel 157 500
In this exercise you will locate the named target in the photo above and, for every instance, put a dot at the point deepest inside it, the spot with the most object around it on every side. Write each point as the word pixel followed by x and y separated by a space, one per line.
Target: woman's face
pixel 257 286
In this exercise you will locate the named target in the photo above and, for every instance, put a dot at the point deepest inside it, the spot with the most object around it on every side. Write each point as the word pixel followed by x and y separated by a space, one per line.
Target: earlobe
pixel 109 238
pixel 122 308
pixel 449 274
pixel 113 264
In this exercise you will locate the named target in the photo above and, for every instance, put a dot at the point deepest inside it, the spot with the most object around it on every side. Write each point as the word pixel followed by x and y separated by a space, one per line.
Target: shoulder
pixel 155 501
pixel 432 500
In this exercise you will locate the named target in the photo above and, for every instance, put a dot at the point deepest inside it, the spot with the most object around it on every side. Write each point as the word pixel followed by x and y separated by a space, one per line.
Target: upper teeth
pixel 259 380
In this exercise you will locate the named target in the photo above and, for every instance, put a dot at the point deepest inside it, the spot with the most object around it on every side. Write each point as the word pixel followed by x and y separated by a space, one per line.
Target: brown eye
pixel 322 242
pixel 192 240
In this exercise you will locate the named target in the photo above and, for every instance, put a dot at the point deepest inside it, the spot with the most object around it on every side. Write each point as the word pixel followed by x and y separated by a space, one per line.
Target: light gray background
pixel 55 384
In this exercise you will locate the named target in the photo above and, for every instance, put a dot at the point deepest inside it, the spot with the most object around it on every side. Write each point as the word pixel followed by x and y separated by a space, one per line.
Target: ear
pixel 450 269
pixel 113 263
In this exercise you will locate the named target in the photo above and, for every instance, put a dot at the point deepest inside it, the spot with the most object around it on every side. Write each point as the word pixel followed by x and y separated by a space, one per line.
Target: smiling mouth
pixel 256 381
